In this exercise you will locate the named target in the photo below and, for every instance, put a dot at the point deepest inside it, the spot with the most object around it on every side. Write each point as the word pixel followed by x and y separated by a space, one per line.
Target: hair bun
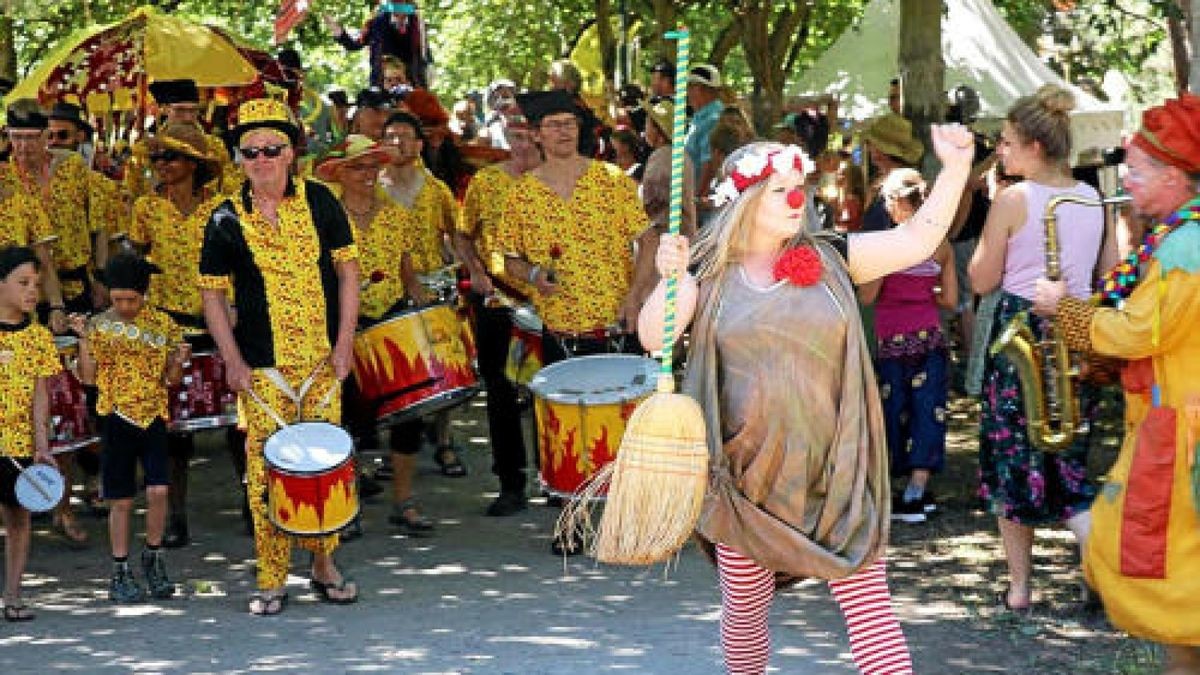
pixel 1055 99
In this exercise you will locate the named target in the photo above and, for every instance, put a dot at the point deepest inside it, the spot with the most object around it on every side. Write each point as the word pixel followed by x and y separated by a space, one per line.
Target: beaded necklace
pixel 1120 281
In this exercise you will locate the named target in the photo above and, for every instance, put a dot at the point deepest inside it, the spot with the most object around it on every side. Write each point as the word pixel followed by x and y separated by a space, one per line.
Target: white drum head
pixel 308 447
pixel 40 487
pixel 596 380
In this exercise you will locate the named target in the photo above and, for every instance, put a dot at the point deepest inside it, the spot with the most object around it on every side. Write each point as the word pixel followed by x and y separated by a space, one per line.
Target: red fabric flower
pixel 378 276
pixel 555 251
pixel 800 266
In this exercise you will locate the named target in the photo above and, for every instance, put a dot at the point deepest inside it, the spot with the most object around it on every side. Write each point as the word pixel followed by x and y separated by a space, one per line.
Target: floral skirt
pixel 1019 482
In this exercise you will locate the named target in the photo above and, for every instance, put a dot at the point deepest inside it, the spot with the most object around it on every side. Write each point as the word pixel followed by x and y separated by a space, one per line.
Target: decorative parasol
pixel 119 59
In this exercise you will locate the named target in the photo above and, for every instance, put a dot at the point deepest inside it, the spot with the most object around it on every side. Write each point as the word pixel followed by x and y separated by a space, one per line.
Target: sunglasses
pixel 268 151
pixel 61 135
pixel 165 156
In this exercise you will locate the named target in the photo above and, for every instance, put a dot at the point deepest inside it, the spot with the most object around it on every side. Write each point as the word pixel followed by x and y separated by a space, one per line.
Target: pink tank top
pixel 906 303
pixel 1080 232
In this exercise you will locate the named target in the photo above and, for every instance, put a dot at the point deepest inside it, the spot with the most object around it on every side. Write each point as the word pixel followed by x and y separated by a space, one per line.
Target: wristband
pixel 533 273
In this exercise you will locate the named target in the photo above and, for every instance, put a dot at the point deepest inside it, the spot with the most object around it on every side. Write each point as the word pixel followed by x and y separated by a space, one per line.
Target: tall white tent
pixel 980 49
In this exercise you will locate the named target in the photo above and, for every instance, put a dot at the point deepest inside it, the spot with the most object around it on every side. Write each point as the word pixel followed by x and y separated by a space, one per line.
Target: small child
pixel 132 353
pixel 28 359
pixel 912 358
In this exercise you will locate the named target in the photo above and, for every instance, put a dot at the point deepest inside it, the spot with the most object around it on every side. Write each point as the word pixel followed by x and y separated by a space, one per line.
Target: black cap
pixel 664 66
pixel 290 58
pixel 337 97
pixel 26 113
pixel 6 85
pixel 166 92
pixel 373 97
pixel 539 104
pixel 631 94
pixel 70 112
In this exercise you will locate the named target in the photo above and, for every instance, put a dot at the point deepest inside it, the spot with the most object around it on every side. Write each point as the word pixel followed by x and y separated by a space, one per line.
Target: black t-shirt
pixel 976 217
pixel 876 218
pixel 225 252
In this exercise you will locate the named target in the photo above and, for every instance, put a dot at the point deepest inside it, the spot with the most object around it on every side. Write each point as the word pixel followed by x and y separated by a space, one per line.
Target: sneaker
pixel 907 511
pixel 507 504
pixel 124 588
pixel 154 567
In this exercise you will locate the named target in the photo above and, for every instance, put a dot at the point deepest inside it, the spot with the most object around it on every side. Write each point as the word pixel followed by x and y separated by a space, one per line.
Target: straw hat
pixel 187 140
pixel 355 146
pixel 266 113
pixel 662 113
pixel 892 135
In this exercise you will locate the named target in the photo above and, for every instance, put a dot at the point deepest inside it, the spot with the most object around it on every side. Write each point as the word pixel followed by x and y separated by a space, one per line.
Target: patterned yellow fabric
pixel 174 241
pixel 272 547
pixel 1159 609
pixel 26 354
pixel 1075 317
pixel 381 245
pixel 131 360
pixel 139 176
pixel 482 207
pixel 434 213
pixel 286 255
pixel 214 283
pixel 22 221
pixel 594 231
pixel 78 202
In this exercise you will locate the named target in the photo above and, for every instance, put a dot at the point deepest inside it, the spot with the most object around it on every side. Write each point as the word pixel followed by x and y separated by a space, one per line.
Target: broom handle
pixel 666 381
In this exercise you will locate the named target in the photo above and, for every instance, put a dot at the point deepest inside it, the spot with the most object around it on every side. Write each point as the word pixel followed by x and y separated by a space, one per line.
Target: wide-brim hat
pixel 353 147
pixel 266 113
pixel 892 135
pixel 69 112
pixel 540 104
pixel 166 92
pixel 187 140
pixel 662 114
pixel 427 108
pixel 706 75
pixel 26 113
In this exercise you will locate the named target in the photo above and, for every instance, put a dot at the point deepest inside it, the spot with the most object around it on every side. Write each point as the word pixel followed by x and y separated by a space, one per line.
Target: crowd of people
pixel 816 283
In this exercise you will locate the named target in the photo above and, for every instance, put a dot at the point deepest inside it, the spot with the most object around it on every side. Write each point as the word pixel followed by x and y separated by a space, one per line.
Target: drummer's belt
pixel 609 340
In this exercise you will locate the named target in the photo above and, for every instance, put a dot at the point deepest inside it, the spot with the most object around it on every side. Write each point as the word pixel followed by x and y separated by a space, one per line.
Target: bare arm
pixel 216 316
pixel 875 254
pixel 948 297
pixel 868 293
pixel 671 257
pixel 41 420
pixel 987 265
pixel 343 347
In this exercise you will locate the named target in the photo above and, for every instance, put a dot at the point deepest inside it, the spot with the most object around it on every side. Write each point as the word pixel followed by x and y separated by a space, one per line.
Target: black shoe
pixel 507 504
pixel 447 458
pixel 928 503
pixel 177 534
pixel 154 568
pixel 909 511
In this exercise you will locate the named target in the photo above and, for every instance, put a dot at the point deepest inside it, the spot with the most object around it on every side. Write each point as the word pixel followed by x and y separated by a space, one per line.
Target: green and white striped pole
pixel 666 380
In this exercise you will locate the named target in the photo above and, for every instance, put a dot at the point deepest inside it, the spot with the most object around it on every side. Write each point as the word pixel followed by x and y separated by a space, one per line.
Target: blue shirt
pixel 696 145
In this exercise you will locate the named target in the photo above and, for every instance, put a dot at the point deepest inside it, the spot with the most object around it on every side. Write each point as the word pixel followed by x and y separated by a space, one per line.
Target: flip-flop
pixel 268 604
pixel 322 590
pixel 15 613
pixel 1002 599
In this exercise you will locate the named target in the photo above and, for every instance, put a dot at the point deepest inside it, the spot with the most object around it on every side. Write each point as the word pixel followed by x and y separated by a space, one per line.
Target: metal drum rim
pixel 608 398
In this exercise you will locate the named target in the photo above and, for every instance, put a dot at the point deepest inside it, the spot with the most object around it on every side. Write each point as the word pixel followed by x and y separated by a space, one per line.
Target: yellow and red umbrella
pixel 120 58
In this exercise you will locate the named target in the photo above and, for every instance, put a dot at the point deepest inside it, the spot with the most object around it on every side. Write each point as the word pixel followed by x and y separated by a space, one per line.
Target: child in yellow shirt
pixel 28 359
pixel 132 353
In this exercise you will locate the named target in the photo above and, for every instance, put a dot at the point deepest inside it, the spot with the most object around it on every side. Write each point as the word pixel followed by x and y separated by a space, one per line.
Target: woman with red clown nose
pixel 780 366
pixel 1143 555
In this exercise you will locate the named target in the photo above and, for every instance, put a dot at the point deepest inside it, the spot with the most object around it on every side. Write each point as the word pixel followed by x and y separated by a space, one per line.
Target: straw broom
pixel 657 482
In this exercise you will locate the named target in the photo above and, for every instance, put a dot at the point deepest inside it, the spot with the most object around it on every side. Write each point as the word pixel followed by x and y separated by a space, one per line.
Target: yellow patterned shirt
pixel 434 214
pixel 22 221
pixel 381 245
pixel 283 276
pixel 174 245
pixel 593 234
pixel 482 207
pixel 131 361
pixel 79 202
pixel 27 353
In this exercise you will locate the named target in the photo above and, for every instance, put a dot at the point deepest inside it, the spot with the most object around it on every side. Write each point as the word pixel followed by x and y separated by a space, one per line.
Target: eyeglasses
pixel 61 135
pixel 165 156
pixel 560 125
pixel 268 151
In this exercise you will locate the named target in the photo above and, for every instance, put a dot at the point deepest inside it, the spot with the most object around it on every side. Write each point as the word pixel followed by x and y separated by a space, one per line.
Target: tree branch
pixel 726 40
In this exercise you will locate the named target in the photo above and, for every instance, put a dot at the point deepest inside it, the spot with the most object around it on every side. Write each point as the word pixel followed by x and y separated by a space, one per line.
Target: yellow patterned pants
pixel 273 547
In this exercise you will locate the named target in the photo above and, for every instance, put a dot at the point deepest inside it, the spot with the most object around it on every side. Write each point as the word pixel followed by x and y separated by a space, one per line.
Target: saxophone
pixel 1044 367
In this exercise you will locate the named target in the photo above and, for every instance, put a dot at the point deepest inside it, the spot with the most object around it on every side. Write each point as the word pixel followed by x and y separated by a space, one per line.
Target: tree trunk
pixel 607 41
pixel 8 48
pixel 1193 12
pixel 664 21
pixel 1181 52
pixel 921 66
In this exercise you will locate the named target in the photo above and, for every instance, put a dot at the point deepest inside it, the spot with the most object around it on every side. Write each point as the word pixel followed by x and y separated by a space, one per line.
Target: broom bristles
pixel 656 486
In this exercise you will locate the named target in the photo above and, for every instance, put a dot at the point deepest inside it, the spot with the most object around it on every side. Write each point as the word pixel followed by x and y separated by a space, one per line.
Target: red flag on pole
pixel 291 14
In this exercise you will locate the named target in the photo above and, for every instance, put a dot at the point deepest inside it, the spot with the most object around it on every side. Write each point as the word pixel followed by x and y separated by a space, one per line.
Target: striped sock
pixel 876 641
pixel 746 593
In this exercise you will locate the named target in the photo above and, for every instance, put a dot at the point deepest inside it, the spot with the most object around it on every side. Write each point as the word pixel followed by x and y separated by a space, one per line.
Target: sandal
pixel 70 529
pixel 267 604
pixel 15 613
pixel 447 458
pixel 322 590
pixel 1025 611
pixel 417 525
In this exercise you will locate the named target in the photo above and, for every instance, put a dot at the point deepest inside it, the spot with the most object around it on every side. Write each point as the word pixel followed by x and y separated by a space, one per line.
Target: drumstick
pixel 266 408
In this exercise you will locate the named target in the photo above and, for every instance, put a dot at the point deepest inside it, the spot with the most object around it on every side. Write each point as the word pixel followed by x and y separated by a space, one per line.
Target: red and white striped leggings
pixel 876 641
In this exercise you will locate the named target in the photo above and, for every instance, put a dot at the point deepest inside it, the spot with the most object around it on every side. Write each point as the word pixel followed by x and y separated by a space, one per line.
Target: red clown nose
pixel 795 198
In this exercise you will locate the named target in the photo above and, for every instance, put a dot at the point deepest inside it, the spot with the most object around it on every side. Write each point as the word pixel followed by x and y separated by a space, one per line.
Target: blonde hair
pixel 1045 117
pixel 724 241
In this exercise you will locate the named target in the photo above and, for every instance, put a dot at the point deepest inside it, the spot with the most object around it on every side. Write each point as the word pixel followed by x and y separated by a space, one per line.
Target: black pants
pixel 493 330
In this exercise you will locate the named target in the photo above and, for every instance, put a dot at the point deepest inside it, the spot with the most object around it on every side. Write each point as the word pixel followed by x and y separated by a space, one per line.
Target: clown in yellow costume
pixel 1143 555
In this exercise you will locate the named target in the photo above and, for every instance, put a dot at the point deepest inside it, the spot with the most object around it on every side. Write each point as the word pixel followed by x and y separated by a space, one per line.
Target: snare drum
pixel 202 399
pixel 415 363
pixel 582 405
pixel 311 488
pixel 71 427
pixel 524 346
